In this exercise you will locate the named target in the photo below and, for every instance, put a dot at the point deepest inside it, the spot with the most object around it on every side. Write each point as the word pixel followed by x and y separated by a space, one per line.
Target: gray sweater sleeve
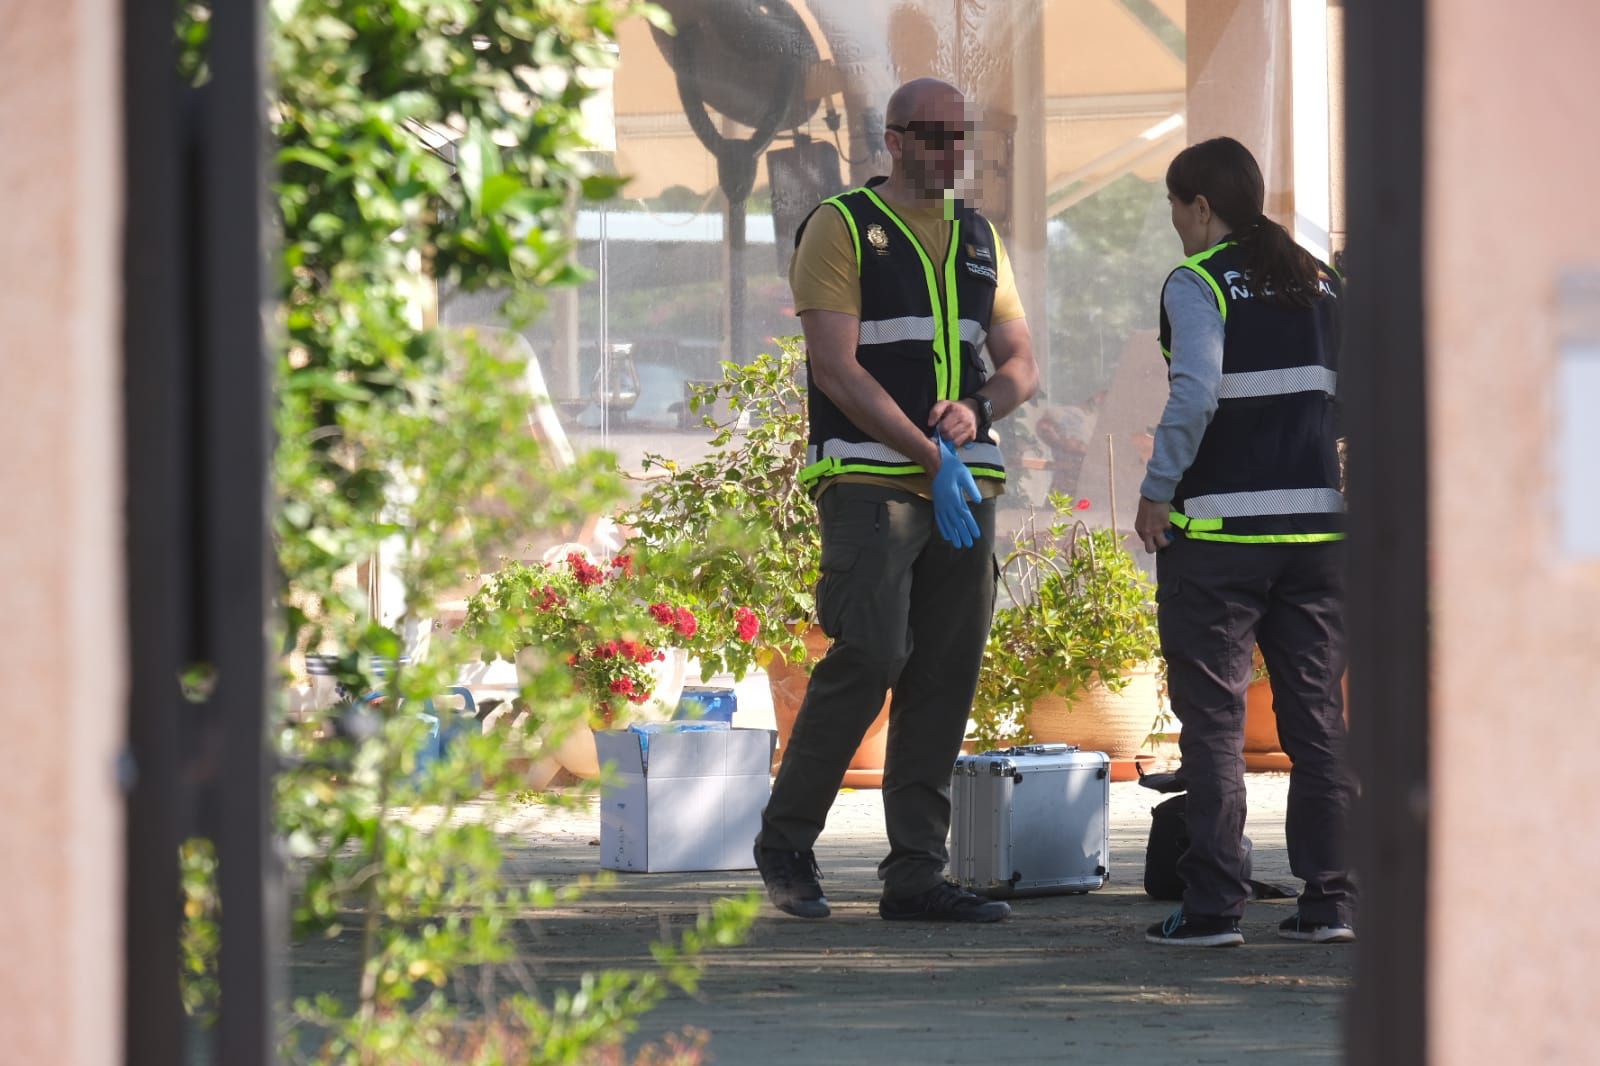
pixel 1195 378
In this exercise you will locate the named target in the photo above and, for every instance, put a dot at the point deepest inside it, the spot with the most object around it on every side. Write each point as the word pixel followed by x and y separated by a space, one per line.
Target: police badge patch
pixel 878 239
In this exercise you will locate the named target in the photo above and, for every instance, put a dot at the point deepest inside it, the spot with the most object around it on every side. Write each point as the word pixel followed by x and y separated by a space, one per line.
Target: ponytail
pixel 1280 270
pixel 1226 174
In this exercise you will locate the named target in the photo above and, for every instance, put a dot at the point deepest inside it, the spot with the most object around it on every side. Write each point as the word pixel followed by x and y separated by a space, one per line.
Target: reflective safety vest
pixel 922 326
pixel 1267 470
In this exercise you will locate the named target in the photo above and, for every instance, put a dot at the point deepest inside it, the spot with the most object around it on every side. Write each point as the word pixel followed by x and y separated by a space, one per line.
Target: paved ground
pixel 1066 979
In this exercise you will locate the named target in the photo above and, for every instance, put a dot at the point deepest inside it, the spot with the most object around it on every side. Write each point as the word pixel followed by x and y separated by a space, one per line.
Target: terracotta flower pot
pixel 576 753
pixel 788 682
pixel 1098 719
pixel 1262 749
pixel 534 773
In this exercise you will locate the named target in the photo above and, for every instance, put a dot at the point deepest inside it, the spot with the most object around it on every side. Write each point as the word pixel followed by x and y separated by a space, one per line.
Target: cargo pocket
pixel 832 586
pixel 853 528
pixel 852 538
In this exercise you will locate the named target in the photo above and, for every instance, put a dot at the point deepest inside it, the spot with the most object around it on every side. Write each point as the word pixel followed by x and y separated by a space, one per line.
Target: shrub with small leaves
pixel 1081 610
pixel 736 531
pixel 419 143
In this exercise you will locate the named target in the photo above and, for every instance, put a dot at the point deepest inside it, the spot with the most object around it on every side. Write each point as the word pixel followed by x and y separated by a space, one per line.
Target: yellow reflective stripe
pixel 1268 538
pixel 1194 263
pixel 829 467
pixel 941 358
pixel 1184 522
pixel 855 235
pixel 819 469
pixel 952 313
pixel 1206 529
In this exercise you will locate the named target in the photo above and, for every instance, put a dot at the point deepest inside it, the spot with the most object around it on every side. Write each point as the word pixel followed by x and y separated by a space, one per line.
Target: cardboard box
pixel 688 800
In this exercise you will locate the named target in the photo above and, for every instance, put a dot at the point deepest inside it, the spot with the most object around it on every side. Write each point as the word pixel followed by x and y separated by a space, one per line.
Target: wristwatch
pixel 985 412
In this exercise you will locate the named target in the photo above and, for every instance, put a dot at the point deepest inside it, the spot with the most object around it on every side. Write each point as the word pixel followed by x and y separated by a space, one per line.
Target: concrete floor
pixel 1065 979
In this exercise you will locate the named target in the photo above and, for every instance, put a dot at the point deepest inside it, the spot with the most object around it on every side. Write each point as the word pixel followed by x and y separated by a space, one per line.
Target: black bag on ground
pixel 1169 839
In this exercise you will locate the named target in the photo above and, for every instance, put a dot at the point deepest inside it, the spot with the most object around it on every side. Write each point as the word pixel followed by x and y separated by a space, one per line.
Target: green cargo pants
pixel 906 611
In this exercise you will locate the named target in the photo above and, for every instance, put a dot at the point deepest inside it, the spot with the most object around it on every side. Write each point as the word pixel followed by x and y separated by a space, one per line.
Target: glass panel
pixel 735 128
pixel 1114 108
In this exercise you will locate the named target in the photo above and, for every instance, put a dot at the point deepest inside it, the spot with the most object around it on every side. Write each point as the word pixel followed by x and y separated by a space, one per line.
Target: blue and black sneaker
pixel 1195 931
pixel 1297 928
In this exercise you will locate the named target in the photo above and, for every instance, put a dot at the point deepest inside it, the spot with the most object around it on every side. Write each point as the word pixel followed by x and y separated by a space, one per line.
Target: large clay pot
pixel 788 682
pixel 535 773
pixel 1098 719
pixel 576 752
pixel 1262 749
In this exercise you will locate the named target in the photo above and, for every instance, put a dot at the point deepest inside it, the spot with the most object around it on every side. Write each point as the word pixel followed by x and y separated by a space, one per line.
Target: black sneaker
pixel 792 879
pixel 1195 931
pixel 1296 928
pixel 944 902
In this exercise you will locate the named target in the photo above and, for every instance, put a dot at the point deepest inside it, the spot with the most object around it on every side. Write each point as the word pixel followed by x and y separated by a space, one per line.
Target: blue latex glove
pixel 952 488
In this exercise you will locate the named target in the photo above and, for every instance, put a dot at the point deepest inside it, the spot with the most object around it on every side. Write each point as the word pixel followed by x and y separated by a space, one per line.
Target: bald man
pixel 899 287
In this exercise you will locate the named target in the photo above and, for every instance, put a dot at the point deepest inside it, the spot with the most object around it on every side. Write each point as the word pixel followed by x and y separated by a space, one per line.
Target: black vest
pixel 1267 470
pixel 923 324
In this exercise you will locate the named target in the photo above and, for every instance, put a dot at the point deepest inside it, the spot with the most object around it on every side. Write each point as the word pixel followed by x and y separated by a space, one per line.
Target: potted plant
pixel 625 654
pixel 737 530
pixel 1262 750
pixel 1075 654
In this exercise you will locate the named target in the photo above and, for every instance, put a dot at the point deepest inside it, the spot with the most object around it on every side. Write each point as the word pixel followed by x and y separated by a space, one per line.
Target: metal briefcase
pixel 1031 821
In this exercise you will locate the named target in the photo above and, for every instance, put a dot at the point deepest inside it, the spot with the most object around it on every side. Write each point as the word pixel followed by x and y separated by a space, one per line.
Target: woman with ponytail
pixel 1241 504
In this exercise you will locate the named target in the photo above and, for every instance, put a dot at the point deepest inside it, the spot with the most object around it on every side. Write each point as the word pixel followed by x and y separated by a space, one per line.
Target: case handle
pixel 1036 749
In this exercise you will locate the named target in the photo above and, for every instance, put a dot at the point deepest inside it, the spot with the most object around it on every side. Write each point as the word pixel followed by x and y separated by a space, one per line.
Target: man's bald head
pixel 923 99
pixel 925 133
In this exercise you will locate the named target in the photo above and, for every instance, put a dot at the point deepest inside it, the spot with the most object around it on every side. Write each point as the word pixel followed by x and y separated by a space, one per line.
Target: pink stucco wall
pixel 1513 159
pixel 61 624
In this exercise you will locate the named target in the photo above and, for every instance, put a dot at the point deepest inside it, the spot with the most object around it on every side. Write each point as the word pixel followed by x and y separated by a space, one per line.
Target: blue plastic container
pixel 444 726
pixel 428 751
pixel 706 705
pixel 453 724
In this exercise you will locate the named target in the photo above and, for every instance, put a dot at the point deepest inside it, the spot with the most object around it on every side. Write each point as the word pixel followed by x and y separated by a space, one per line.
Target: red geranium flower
pixel 623 564
pixel 747 624
pixel 622 685
pixel 686 624
pixel 586 572
pixel 663 613
pixel 1081 505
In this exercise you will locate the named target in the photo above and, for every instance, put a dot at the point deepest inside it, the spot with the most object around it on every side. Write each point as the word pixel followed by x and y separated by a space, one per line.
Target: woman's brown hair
pixel 1226 174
